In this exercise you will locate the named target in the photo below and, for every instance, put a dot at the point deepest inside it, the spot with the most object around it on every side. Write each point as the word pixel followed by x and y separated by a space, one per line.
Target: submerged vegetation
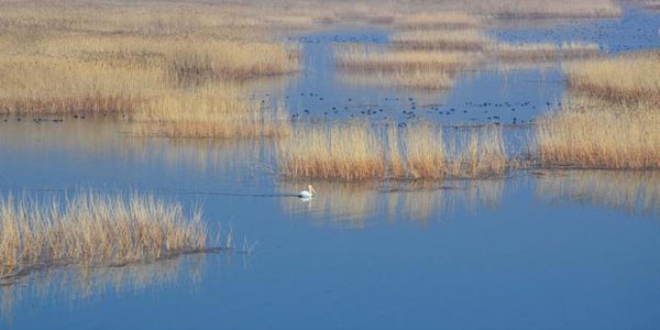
pixel 93 229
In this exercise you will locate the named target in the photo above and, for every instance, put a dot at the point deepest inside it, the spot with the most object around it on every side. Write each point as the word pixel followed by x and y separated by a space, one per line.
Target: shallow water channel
pixel 541 249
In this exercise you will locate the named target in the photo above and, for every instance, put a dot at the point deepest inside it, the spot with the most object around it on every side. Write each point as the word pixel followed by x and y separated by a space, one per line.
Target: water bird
pixel 309 193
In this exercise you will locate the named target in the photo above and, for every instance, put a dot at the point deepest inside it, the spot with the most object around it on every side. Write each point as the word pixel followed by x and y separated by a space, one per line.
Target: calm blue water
pixel 571 249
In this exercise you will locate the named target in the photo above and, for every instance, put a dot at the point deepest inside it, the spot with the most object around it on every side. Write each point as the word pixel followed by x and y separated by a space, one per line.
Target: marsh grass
pixel 359 151
pixel 540 9
pixel 350 151
pixel 600 135
pixel 195 62
pixel 382 66
pixel 543 51
pixel 209 111
pixel 139 63
pixel 629 77
pixel 92 230
pixel 38 85
pixel 437 20
pixel 456 40
pixel 388 60
pixel 479 153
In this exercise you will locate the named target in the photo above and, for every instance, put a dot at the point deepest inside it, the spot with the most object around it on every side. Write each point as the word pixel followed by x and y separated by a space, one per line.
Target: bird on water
pixel 309 193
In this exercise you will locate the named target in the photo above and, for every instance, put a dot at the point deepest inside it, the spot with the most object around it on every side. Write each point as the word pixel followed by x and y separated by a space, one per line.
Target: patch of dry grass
pixel 383 66
pixel 358 151
pixel 350 151
pixel 437 20
pixel 625 78
pixel 542 51
pixel 43 85
pixel 479 153
pixel 93 229
pixel 540 9
pixel 387 60
pixel 212 110
pixel 457 40
pixel 144 61
pixel 597 134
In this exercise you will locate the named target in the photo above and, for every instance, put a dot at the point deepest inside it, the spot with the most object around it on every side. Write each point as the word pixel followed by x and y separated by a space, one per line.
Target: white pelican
pixel 306 194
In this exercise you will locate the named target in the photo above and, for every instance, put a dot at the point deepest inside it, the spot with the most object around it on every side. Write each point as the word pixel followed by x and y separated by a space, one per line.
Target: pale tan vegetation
pixel 480 153
pixel 354 152
pixel 141 62
pixel 597 134
pixel 625 78
pixel 464 40
pixel 541 9
pixel 93 229
pixel 542 51
pixel 349 151
pixel 382 66
pixel 424 152
pixel 615 125
pixel 212 110
pixel 387 60
pixel 437 20
pixel 44 85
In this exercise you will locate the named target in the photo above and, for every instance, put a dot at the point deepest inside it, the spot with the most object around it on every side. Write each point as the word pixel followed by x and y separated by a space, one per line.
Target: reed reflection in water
pixel 76 285
pixel 630 191
pixel 351 205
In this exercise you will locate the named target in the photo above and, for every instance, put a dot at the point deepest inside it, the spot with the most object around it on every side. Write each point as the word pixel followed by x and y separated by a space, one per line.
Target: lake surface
pixel 543 250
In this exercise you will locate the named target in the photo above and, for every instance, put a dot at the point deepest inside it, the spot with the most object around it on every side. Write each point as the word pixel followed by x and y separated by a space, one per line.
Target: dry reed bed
pixel 436 20
pixel 429 40
pixel 598 135
pixel 624 78
pixel 543 51
pixel 93 229
pixel 358 151
pixel 211 110
pixel 540 9
pixel 383 66
pixel 141 63
pixel 385 59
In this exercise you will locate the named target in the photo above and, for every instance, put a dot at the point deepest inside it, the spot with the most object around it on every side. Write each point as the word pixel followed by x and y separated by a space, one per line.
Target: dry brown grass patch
pixel 464 40
pixel 625 78
pixel 94 230
pixel 601 135
pixel 437 20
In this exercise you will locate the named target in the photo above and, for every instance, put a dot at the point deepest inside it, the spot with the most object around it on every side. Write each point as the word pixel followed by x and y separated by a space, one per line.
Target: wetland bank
pixel 479 164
